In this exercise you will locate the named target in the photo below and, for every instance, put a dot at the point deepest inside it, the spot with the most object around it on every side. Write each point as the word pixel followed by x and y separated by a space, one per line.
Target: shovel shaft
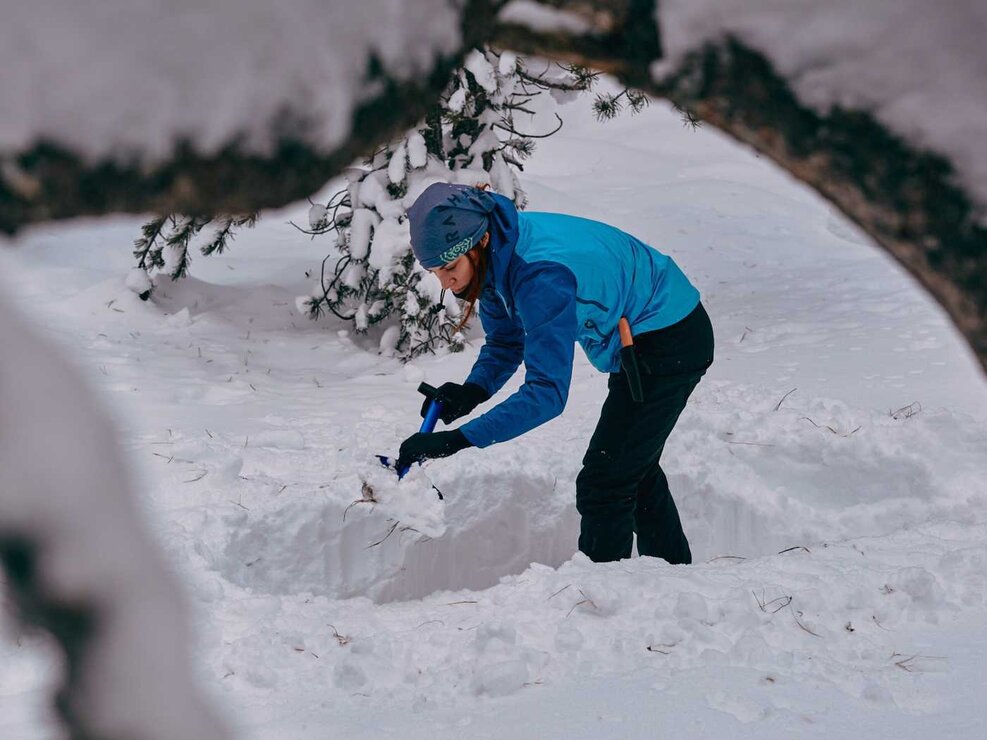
pixel 428 423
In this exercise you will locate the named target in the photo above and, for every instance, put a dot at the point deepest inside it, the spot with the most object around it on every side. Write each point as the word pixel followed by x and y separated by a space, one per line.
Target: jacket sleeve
pixel 503 347
pixel 546 303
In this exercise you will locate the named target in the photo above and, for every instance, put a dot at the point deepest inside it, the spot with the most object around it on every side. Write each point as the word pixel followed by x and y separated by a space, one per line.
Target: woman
pixel 545 281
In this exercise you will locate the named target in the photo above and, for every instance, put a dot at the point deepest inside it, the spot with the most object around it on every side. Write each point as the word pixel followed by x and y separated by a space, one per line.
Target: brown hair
pixel 478 257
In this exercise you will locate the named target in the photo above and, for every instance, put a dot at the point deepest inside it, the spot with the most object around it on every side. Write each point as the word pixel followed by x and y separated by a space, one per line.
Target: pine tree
pixel 471 139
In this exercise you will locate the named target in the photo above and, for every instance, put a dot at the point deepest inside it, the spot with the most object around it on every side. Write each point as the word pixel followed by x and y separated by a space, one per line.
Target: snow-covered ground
pixel 831 472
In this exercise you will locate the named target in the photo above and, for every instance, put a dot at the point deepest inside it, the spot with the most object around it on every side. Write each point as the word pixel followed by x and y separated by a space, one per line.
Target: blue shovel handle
pixel 431 419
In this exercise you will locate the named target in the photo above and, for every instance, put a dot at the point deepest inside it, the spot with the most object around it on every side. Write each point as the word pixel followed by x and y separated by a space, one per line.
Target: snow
pixel 145 75
pixel 481 70
pixel 838 589
pixel 542 18
pixel 919 67
pixel 317 216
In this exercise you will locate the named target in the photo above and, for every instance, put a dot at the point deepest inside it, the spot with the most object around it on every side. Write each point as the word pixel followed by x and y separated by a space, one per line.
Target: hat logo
pixel 456 250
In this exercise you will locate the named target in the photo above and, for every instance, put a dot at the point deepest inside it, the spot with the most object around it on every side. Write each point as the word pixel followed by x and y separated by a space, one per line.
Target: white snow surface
pixel 839 529
pixel 919 67
pixel 121 78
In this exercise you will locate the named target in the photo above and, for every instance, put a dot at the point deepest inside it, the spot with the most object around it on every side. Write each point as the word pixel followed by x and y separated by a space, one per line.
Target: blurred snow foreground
pixel 184 104
pixel 79 562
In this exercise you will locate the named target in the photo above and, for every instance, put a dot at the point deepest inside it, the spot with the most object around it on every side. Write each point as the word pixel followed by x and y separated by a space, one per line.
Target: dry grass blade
pixel 558 592
pixel 341 639
pixel 585 600
pixel 784 397
pixel 906 412
pixel 763 605
pixel 384 538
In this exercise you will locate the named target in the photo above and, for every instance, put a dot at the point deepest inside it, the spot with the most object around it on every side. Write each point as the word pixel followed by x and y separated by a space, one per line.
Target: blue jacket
pixel 554 280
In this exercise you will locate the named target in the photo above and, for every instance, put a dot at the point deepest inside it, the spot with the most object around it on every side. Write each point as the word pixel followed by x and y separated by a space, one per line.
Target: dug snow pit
pixel 368 534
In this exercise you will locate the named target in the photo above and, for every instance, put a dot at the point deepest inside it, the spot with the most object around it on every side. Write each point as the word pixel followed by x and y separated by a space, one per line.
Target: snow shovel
pixel 428 425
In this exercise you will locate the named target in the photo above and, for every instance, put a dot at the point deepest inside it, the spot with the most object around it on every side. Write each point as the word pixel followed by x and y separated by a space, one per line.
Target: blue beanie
pixel 447 221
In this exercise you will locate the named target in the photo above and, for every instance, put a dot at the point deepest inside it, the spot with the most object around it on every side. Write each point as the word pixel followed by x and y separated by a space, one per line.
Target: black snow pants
pixel 622 489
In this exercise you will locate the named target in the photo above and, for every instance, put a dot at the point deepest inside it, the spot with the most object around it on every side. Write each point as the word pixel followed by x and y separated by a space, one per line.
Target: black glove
pixel 457 400
pixel 424 446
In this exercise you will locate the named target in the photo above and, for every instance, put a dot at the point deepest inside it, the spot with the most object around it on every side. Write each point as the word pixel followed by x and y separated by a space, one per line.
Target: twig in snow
pixel 389 533
pixel 199 477
pixel 784 397
pixel 466 601
pixel 908 664
pixel 655 648
pixel 585 600
pixel 878 623
pixel 430 621
pixel 727 557
pixel 906 412
pixel 558 592
pixel 782 601
pixel 763 605
pixel 341 639
pixel 796 547
pixel 796 615
pixel 369 497
pixel 753 444
pixel 747 330
pixel 834 431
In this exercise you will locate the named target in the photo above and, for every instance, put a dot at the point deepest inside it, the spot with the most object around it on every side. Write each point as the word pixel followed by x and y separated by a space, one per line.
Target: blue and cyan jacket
pixel 554 280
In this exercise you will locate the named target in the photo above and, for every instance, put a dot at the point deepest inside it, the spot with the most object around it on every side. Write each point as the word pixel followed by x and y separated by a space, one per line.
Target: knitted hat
pixel 447 221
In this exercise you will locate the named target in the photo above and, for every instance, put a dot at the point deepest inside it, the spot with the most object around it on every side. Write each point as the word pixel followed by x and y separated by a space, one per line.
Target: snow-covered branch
pixel 881 107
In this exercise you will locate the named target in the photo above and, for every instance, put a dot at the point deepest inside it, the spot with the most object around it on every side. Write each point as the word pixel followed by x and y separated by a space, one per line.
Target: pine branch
pixel 147 256
pixel 227 232
pixel 179 240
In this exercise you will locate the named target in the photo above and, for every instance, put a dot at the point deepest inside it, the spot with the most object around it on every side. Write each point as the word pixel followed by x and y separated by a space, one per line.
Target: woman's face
pixel 455 275
pixel 458 274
